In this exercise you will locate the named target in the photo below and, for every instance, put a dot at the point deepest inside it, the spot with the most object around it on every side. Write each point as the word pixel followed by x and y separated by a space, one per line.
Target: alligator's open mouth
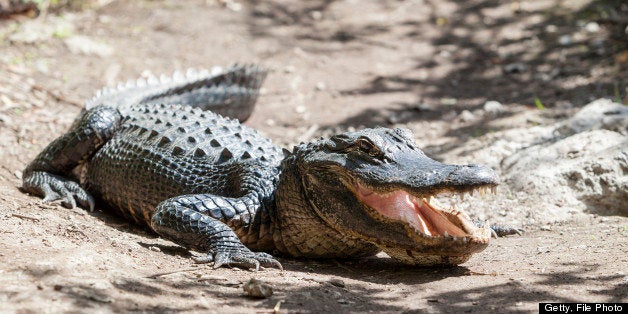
pixel 425 215
pixel 443 236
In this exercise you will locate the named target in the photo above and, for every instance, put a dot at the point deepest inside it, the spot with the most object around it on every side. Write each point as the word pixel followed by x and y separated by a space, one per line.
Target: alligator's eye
pixel 367 147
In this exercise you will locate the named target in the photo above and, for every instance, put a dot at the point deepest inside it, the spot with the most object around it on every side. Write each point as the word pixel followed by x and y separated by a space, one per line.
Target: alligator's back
pixel 161 151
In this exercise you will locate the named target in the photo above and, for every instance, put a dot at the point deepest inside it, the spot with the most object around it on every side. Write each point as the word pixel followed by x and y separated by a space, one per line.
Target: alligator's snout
pixel 468 177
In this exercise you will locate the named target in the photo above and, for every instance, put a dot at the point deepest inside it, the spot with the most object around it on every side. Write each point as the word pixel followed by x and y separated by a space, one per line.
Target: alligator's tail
pixel 230 92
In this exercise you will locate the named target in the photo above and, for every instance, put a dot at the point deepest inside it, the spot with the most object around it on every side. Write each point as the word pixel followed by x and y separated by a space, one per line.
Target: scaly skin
pixel 154 152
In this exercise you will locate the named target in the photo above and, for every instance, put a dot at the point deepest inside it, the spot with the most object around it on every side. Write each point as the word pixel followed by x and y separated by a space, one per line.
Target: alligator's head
pixel 376 185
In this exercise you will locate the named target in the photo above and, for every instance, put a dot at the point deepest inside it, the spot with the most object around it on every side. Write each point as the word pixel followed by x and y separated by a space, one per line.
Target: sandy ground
pixel 337 65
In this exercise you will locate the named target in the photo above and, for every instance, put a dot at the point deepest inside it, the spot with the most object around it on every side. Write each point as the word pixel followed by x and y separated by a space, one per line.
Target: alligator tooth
pixel 152 80
pixel 494 234
pixel 454 210
pixel 191 73
pixel 178 76
pixel 120 85
pixel 140 82
pixel 494 190
pixel 216 71
pixel 446 234
pixel 461 196
pixel 203 73
pixel 419 201
pixel 465 239
pixel 129 84
pixel 429 199
pixel 164 79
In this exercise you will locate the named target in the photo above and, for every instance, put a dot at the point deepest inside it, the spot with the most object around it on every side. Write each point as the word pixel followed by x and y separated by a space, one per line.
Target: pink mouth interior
pixel 400 205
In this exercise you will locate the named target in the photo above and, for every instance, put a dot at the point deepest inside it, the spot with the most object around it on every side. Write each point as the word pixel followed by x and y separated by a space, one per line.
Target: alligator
pixel 170 154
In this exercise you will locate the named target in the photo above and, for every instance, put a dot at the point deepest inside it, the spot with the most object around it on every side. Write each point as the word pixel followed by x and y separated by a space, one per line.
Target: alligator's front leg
pixel 47 175
pixel 194 221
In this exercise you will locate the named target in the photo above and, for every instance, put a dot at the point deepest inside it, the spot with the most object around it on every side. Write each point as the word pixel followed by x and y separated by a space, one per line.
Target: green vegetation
pixel 538 103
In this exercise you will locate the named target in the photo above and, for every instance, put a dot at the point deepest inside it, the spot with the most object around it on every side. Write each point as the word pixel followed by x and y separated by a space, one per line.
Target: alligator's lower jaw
pixel 419 259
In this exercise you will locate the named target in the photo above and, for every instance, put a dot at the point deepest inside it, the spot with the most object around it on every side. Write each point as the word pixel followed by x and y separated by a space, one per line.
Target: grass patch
pixel 538 103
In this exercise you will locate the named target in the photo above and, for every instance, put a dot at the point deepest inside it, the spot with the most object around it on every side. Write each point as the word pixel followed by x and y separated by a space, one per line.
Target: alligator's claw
pixel 241 258
pixel 52 188
pixel 499 231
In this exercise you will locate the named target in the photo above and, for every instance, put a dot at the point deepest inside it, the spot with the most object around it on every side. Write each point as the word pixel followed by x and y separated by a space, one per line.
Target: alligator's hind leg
pixel 198 222
pixel 232 93
pixel 47 175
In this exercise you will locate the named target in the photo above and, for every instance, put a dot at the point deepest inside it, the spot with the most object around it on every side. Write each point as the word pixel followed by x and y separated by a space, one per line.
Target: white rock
pixel 592 27
pixel 492 106
pixel 467 116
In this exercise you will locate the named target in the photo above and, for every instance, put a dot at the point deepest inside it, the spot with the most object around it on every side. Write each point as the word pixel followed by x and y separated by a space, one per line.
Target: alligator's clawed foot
pixel 499 231
pixel 53 188
pixel 240 258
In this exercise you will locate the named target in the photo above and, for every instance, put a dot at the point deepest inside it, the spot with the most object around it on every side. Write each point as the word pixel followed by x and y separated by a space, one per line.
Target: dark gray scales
pixel 170 154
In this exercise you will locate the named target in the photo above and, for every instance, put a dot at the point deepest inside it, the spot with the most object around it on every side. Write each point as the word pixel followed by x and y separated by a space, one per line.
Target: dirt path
pixel 426 65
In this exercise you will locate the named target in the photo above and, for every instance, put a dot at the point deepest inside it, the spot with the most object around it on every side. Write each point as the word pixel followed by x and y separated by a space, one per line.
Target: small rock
pixel 321 86
pixel 546 228
pixel 516 67
pixel 419 106
pixel 337 282
pixel 551 28
pixel 233 6
pixel 289 69
pixel 257 289
pixel 565 40
pixel 300 109
pixel 448 101
pixel 467 116
pixel 493 106
pixel 6 119
pixel 444 54
pixel 592 27
pixel 316 15
pixel 154 249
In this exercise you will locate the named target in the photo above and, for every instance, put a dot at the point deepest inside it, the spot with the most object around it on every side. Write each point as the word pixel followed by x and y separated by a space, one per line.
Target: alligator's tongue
pixel 421 215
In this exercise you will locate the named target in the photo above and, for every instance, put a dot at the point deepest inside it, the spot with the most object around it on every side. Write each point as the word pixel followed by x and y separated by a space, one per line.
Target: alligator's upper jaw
pixel 443 236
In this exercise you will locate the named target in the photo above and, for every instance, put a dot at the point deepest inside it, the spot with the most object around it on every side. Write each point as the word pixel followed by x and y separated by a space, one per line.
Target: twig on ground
pixel 170 273
pixel 25 217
